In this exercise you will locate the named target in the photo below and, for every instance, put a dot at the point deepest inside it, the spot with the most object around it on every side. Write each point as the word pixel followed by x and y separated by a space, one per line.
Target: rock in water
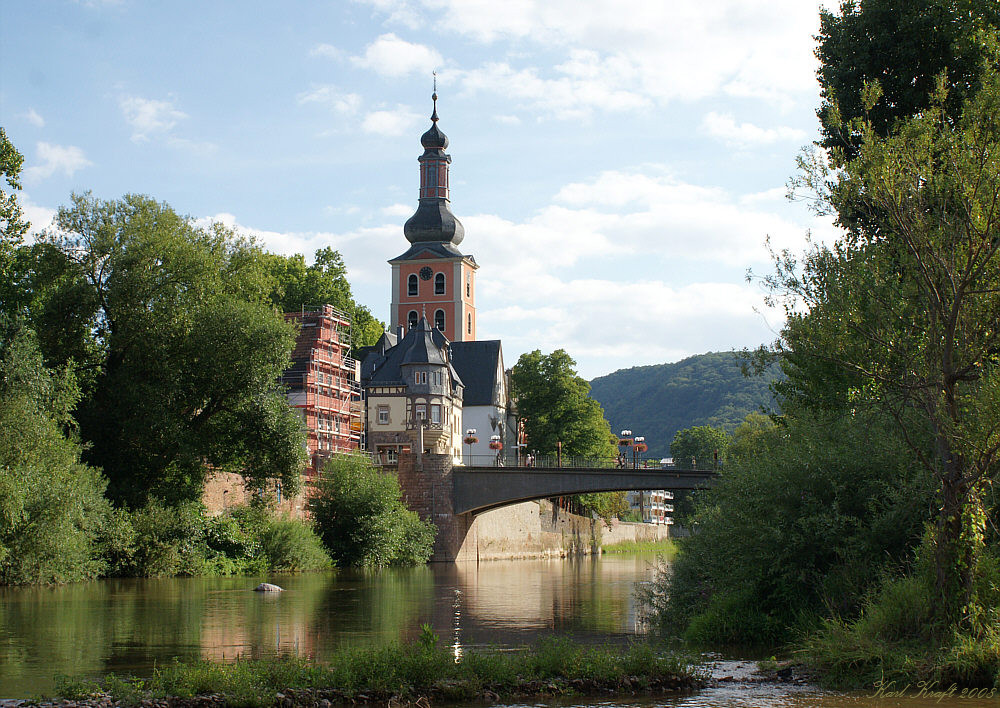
pixel 268 587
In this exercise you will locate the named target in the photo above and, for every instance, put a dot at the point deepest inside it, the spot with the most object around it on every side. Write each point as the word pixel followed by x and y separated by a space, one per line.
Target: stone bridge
pixel 478 489
pixel 456 497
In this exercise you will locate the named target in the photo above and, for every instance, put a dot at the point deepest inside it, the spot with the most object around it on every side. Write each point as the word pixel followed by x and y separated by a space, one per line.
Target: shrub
pixel 290 545
pixel 361 518
pixel 51 505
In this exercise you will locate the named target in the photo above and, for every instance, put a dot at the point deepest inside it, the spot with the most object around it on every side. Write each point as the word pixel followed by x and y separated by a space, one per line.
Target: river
pixel 130 626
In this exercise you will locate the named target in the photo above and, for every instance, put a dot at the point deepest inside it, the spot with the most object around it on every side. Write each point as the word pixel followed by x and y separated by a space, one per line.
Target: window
pixel 420 377
pixel 439 284
pixel 383 415
pixel 411 285
pixel 435 413
pixel 411 319
pixel 421 411
pixel 439 320
pixel 468 285
pixel 469 325
pixel 438 378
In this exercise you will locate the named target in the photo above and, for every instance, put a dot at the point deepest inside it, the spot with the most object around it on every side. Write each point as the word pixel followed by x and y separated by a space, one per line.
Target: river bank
pixel 415 674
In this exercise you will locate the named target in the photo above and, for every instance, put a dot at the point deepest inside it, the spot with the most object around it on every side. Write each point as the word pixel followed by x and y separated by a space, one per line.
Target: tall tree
pixel 553 403
pixel 699 447
pixel 323 282
pixel 188 351
pixel 904 45
pixel 907 305
pixel 12 223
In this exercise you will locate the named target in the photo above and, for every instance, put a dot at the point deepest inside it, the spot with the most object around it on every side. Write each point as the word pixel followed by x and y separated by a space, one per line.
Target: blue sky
pixel 617 165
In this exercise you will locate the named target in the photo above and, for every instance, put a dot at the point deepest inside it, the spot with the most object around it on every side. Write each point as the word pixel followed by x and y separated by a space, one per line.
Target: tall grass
pixel 663 547
pixel 556 666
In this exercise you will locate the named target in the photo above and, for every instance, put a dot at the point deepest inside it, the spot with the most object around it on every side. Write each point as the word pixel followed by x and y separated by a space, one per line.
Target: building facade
pixel 323 384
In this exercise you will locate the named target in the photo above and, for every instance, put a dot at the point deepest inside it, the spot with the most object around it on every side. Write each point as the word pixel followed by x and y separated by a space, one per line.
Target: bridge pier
pixel 428 491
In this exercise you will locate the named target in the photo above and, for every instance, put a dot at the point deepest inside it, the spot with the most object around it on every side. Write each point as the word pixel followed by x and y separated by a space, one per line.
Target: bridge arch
pixel 480 489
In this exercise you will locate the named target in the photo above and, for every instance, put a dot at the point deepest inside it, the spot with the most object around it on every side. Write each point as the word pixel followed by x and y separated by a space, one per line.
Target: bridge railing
pixel 551 461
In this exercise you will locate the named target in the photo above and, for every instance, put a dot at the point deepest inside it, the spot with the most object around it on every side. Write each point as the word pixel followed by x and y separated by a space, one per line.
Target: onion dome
pixel 433 220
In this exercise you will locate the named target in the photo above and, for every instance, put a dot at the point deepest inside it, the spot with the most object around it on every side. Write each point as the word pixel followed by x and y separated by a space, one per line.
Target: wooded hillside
pixel 657 401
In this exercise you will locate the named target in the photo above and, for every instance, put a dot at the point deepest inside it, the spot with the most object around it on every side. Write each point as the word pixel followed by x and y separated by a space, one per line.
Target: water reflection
pixel 132 625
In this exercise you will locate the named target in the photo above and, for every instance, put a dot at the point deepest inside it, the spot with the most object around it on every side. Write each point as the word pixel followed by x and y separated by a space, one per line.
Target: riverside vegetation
pixel 858 526
pixel 407 674
pixel 139 352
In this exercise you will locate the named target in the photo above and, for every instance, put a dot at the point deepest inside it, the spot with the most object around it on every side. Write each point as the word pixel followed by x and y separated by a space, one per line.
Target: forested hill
pixel 657 401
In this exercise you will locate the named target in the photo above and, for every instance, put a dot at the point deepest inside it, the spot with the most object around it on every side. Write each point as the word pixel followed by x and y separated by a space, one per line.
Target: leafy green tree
pixel 52 507
pixel 906 305
pixel 698 447
pixel 359 513
pixel 324 282
pixel 904 46
pixel 12 223
pixel 188 351
pixel 553 404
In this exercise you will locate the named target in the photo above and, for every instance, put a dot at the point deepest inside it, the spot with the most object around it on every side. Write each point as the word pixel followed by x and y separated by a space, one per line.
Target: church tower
pixel 433 279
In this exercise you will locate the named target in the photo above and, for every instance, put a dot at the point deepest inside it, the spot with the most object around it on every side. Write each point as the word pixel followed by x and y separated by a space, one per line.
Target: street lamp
pixel 470 440
pixel 638 447
pixel 497 445
pixel 623 443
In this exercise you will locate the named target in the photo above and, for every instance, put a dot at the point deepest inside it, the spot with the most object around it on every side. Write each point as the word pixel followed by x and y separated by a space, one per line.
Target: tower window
pixel 468 285
pixel 439 284
pixel 439 319
pixel 411 319
pixel 411 285
pixel 469 325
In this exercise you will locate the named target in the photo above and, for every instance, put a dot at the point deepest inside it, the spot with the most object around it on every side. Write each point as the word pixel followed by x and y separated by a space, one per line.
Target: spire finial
pixel 434 98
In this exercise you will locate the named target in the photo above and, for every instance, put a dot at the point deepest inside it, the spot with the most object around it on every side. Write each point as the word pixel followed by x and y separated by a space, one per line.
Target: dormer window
pixel 411 285
pixel 439 284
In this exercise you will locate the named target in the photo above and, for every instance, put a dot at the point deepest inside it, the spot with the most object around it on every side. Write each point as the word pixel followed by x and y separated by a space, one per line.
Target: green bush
pixel 51 505
pixel 806 519
pixel 361 518
pixel 291 545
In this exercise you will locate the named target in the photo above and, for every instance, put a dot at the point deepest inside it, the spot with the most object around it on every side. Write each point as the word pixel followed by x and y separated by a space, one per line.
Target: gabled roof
pixel 478 363
pixel 431 249
pixel 421 345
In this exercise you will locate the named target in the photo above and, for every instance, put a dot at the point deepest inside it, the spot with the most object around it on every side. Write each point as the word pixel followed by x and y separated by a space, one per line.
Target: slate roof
pixel 439 249
pixel 421 345
pixel 478 363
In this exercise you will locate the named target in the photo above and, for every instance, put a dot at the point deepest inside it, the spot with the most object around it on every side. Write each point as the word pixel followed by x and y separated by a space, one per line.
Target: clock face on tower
pixel 425 273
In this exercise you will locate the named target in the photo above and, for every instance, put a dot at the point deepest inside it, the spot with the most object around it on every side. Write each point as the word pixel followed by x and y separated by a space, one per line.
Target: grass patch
pixel 407 673
pixel 895 641
pixel 664 547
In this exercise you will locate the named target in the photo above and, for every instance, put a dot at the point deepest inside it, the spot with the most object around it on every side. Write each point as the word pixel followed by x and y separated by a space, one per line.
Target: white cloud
pixel 659 51
pixel 585 82
pixel 390 123
pixel 326 50
pixel 328 95
pixel 32 116
pixel 399 210
pixel 389 55
pixel 149 117
pixel 40 217
pixel 55 158
pixel 725 127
